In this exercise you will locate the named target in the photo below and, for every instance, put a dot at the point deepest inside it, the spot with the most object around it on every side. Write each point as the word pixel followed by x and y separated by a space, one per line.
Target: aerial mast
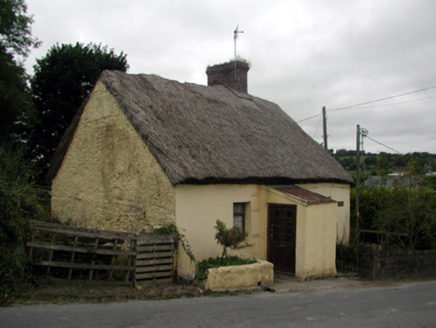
pixel 235 37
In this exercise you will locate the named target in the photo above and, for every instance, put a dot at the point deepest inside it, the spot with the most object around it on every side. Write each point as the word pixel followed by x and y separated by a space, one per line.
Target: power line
pixel 316 131
pixel 398 103
pixel 382 99
pixel 378 142
pixel 309 118
pixel 371 102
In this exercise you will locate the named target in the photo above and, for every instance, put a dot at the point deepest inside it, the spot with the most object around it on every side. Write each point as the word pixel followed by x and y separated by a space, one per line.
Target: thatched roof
pixel 202 134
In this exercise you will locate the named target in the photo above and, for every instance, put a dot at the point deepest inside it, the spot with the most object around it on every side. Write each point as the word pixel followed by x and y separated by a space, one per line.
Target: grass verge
pixel 81 292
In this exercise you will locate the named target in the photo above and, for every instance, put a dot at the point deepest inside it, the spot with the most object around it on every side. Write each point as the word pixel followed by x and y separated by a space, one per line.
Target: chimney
pixel 232 74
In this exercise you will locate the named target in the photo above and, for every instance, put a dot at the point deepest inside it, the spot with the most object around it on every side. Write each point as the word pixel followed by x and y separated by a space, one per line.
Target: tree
pixel 15 100
pixel 18 205
pixel 61 82
pixel 15 28
pixel 15 44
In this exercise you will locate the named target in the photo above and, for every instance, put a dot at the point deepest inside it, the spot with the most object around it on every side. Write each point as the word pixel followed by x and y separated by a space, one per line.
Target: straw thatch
pixel 202 134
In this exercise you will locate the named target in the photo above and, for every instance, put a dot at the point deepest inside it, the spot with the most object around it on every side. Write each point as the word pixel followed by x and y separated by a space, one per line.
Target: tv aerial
pixel 235 37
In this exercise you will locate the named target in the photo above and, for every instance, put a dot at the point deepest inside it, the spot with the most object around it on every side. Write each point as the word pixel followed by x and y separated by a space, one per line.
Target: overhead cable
pixel 370 102
pixel 378 142
pixel 382 99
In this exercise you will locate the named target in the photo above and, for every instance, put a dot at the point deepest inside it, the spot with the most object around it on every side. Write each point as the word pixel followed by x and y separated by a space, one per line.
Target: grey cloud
pixel 304 54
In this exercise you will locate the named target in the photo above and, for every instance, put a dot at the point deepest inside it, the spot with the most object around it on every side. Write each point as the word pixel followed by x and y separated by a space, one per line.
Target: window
pixel 239 215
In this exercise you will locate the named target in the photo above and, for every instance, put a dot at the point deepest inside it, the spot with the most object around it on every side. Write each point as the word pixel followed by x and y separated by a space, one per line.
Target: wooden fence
pixel 97 255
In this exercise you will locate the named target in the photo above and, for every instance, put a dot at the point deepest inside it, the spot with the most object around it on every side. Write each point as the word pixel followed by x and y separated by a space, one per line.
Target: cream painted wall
pixel 320 241
pixel 338 192
pixel 199 207
pixel 109 179
pixel 315 254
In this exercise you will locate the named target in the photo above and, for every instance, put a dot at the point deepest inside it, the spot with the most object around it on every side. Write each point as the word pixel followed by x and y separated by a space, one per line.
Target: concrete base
pixel 240 276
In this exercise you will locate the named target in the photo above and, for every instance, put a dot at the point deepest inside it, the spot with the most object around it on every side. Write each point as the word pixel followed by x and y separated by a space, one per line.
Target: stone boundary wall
pixel 376 263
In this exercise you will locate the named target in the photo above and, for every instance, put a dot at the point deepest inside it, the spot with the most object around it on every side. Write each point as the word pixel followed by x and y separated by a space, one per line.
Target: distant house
pixel 400 177
pixel 144 151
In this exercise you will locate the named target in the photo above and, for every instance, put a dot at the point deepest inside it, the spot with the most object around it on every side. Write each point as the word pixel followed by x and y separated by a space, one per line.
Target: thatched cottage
pixel 144 151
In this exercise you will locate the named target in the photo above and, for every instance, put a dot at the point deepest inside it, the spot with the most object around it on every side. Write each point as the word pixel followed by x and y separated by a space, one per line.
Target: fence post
pixel 133 246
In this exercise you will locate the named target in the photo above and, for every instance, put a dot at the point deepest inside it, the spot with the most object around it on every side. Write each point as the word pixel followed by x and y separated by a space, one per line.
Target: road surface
pixel 404 305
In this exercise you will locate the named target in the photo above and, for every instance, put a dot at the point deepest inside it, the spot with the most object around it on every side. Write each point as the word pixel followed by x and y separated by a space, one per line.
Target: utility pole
pixel 324 125
pixel 357 182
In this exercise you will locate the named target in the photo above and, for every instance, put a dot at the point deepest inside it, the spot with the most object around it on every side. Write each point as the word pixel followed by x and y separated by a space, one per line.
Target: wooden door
pixel 282 224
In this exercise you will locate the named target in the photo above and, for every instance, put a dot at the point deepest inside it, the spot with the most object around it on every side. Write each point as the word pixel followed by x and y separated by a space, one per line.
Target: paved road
pixel 405 305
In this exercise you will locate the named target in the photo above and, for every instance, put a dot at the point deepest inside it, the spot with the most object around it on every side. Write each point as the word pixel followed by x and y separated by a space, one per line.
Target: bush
pixel 232 238
pixel 398 217
pixel 18 205
pixel 347 257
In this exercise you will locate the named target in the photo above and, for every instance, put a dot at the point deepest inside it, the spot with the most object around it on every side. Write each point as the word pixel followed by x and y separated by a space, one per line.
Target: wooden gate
pixel 96 255
pixel 282 223
pixel 78 252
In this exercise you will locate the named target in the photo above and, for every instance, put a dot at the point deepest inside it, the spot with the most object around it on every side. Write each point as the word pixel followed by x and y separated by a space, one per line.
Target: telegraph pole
pixel 357 182
pixel 324 125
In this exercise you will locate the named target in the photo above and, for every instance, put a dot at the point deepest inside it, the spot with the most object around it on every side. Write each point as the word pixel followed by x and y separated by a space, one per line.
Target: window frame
pixel 243 214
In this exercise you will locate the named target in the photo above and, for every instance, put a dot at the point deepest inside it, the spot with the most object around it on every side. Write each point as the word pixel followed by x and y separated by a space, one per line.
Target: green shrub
pixel 169 229
pixel 233 237
pixel 18 205
pixel 397 217
pixel 220 261
pixel 347 257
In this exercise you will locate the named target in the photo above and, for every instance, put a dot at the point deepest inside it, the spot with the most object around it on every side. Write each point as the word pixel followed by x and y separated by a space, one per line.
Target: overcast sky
pixel 304 54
